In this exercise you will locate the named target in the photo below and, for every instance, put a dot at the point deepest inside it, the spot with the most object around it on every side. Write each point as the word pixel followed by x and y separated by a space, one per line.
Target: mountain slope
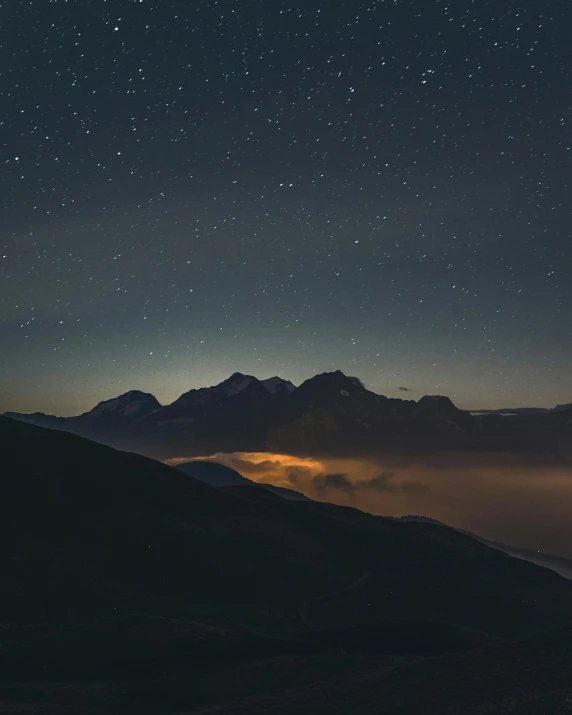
pixel 129 587
pixel 523 677
pixel 218 475
pixel 213 473
pixel 99 532
pixel 557 564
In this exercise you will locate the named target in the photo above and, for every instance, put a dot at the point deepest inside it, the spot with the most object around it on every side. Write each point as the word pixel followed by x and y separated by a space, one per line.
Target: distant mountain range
pixel 329 414
pixel 524 410
pixel 130 587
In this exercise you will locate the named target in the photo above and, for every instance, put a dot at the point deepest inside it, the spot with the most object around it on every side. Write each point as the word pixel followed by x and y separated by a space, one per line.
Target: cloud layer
pixel 520 503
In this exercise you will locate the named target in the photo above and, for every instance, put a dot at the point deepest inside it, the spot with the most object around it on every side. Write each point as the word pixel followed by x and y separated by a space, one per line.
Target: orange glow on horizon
pixel 512 502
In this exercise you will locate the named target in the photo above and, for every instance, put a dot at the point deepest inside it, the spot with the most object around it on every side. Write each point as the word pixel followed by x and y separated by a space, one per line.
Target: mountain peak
pixel 276 385
pixel 131 403
pixel 132 395
pixel 236 383
pixel 334 381
pixel 239 376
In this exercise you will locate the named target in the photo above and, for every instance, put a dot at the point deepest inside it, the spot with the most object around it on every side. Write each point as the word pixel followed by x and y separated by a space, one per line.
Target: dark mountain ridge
pixel 107 530
pixel 328 414
pixel 219 475
pixel 558 564
pixel 130 587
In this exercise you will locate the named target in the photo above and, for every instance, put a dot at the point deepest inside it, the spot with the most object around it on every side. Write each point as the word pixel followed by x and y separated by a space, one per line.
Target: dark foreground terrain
pixel 130 587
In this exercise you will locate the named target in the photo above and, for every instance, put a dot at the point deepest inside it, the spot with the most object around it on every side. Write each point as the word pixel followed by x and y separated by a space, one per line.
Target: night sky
pixel 192 188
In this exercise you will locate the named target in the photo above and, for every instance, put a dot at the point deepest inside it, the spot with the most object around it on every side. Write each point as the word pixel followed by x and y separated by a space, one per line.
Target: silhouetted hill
pixel 106 422
pixel 128 586
pixel 558 564
pixel 107 531
pixel 219 475
pixel 213 473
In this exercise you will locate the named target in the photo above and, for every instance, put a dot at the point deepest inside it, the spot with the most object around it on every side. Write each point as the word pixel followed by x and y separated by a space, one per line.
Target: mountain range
pixel 129 586
pixel 328 414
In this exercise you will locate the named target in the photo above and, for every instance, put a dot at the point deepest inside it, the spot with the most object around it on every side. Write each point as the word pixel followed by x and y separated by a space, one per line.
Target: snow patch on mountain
pixel 277 384
pixel 130 404
pixel 237 383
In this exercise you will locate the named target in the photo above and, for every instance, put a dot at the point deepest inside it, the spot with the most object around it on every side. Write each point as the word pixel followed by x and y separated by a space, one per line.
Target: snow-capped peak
pixel 277 384
pixel 130 403
pixel 236 383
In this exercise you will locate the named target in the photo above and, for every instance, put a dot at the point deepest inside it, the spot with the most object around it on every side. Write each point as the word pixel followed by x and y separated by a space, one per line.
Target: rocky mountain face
pixel 329 414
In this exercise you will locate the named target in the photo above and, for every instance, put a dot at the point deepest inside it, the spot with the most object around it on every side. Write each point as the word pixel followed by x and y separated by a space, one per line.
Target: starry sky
pixel 188 189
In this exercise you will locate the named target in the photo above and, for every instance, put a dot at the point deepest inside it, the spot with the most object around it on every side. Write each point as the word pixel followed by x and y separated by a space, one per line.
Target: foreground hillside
pixel 128 586
pixel 529 677
pixel 96 531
